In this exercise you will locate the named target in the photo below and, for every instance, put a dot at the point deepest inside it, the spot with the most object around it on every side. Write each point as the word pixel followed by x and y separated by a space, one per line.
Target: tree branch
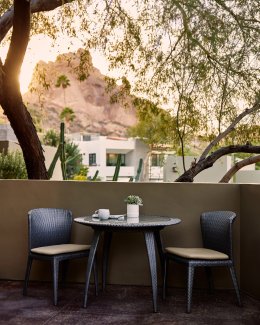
pixel 6 20
pixel 231 127
pixel 245 162
pixel 208 162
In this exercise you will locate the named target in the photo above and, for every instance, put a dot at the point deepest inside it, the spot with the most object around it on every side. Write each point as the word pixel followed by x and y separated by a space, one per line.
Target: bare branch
pixel 231 127
pixel 245 162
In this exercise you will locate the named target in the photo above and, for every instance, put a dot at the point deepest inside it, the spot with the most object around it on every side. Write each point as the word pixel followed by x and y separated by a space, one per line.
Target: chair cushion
pixel 60 249
pixel 197 253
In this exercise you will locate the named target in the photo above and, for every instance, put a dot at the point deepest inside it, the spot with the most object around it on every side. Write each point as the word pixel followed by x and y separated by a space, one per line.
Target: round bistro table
pixel 150 226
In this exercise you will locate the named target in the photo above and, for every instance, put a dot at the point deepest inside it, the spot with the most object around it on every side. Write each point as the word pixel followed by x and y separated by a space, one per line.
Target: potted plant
pixel 133 202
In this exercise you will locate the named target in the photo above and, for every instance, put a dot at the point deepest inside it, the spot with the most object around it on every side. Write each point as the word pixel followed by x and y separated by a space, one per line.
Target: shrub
pixel 51 138
pixel 12 166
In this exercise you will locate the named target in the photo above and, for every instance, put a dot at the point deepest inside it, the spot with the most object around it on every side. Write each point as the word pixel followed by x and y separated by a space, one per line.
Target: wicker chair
pixel 216 228
pixel 49 239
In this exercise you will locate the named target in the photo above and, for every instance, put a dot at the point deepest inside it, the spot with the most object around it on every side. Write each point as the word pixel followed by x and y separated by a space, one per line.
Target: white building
pixel 100 154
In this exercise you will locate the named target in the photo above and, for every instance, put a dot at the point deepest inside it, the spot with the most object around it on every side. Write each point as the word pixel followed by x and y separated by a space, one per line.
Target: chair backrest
pixel 49 226
pixel 216 229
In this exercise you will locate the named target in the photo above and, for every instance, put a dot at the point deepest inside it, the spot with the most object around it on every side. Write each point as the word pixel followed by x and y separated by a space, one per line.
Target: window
pixel 157 160
pixel 92 159
pixel 112 159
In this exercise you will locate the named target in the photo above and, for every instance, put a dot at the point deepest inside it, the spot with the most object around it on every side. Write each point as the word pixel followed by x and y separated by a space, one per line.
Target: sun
pixel 42 48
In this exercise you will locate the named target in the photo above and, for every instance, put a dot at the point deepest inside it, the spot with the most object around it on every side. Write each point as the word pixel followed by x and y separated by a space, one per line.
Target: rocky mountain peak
pixel 94 112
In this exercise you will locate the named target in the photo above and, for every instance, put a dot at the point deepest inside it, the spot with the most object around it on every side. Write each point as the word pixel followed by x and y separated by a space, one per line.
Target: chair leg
pixel 235 283
pixel 208 271
pixel 27 275
pixel 189 288
pixel 95 270
pixel 55 276
pixel 64 269
pixel 165 276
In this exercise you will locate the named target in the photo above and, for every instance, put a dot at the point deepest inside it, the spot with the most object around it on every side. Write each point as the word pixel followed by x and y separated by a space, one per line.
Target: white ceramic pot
pixel 132 211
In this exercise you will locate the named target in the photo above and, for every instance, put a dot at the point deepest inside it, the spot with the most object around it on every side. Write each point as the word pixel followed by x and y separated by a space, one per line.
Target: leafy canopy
pixel 201 58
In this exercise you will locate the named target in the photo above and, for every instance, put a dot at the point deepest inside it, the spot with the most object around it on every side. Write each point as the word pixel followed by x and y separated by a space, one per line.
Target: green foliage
pixel 73 161
pixel 84 66
pixel 139 170
pixel 70 158
pixel 133 199
pixel 200 58
pixel 12 166
pixel 60 154
pixel 62 81
pixel 67 114
pixel 82 174
pixel 51 138
pixel 244 133
pixel 155 126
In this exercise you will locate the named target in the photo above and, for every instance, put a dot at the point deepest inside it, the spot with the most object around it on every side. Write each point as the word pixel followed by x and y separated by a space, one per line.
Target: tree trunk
pixel 25 132
pixel 11 98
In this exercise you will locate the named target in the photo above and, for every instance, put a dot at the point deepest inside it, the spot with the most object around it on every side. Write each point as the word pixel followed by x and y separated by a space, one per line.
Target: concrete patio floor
pixel 121 305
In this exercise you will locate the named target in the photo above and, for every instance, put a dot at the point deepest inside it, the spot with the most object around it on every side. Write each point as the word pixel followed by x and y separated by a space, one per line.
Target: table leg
pixel 107 243
pixel 149 240
pixel 158 240
pixel 91 258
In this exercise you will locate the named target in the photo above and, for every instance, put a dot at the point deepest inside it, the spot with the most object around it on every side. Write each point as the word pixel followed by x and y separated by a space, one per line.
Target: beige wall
pixel 128 261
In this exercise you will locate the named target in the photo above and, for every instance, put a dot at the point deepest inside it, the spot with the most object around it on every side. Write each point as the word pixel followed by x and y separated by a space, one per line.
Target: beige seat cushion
pixel 197 253
pixel 60 249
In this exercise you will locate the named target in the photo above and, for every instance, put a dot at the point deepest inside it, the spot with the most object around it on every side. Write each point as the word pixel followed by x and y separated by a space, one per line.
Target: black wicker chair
pixel 49 239
pixel 216 228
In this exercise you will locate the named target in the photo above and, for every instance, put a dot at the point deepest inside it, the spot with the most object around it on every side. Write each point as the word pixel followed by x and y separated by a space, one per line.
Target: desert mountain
pixel 94 112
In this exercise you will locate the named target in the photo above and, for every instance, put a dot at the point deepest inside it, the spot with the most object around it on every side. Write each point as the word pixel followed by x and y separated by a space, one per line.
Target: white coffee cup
pixel 103 214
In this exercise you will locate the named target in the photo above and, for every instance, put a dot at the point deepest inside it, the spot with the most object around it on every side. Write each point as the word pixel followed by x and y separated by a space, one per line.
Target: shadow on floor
pixel 121 305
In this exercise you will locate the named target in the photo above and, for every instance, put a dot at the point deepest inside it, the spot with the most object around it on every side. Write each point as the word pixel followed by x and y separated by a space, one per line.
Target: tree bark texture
pixel 208 162
pixel 11 98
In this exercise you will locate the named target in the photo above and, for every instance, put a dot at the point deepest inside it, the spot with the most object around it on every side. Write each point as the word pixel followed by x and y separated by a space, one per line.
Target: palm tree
pixel 63 81
pixel 68 115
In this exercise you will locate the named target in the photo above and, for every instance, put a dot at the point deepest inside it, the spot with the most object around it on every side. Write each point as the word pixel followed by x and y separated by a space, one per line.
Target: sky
pixel 48 52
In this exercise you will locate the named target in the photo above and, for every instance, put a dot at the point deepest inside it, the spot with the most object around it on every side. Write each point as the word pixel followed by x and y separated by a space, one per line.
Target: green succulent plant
pixel 133 199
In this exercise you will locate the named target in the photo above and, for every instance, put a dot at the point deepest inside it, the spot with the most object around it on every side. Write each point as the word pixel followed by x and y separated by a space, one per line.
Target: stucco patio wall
pixel 128 262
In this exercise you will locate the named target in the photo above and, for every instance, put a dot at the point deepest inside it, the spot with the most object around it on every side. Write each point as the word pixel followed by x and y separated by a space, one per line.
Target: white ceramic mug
pixel 103 214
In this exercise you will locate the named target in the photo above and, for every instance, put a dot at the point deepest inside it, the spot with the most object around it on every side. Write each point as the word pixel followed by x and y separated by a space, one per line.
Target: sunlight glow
pixel 42 48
